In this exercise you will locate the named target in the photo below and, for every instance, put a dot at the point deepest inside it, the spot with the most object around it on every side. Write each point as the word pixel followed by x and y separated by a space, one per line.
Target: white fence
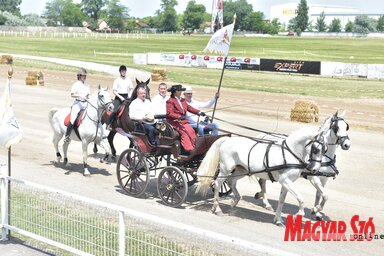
pixel 84 226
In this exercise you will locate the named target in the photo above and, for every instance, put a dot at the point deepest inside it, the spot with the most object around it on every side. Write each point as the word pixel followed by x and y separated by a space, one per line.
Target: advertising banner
pixel 291 66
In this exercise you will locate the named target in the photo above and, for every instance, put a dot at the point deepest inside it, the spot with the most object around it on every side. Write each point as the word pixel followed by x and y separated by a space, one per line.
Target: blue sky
pixel 142 8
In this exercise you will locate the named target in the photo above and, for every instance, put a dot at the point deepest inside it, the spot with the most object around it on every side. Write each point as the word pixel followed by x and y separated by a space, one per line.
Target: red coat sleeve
pixel 172 112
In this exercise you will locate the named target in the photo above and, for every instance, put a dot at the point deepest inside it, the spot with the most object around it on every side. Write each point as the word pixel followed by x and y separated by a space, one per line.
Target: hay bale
pixel 6 59
pixel 157 77
pixel 306 111
pixel 34 78
pixel 159 74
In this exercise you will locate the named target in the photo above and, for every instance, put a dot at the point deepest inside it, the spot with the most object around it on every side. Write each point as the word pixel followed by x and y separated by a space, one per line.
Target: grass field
pixel 363 50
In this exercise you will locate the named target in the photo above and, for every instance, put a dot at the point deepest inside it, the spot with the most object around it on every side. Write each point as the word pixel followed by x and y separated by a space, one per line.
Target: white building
pixel 286 12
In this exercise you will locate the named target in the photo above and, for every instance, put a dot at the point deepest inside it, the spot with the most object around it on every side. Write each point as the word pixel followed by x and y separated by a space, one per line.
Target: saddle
pixel 77 120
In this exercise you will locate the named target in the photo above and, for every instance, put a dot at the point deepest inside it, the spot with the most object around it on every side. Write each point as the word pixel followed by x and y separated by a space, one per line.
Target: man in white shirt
pixel 141 109
pixel 159 101
pixel 80 92
pixel 122 89
pixel 193 119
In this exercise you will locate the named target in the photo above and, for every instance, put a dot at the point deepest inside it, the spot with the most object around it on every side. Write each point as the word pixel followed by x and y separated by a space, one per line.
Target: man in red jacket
pixel 177 108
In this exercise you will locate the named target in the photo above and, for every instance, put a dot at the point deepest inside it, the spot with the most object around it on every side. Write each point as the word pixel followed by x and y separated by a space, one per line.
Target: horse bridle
pixel 335 128
pixel 315 150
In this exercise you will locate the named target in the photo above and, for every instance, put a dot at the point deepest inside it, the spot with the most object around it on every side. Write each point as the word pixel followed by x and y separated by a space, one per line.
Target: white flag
pixel 221 40
pixel 10 130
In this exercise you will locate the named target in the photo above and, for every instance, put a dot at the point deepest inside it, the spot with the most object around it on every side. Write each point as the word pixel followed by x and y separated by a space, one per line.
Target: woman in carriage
pixel 177 108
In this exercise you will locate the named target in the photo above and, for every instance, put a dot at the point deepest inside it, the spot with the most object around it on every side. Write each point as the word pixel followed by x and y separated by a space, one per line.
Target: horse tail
pixel 51 114
pixel 208 167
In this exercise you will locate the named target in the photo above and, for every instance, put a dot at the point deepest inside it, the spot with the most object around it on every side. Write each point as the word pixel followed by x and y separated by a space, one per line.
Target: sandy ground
pixel 357 190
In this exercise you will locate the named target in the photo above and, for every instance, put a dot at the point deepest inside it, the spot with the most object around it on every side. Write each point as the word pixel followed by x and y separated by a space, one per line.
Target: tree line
pixel 194 17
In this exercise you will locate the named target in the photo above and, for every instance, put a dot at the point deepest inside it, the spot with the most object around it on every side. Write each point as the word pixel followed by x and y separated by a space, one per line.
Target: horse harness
pixel 269 169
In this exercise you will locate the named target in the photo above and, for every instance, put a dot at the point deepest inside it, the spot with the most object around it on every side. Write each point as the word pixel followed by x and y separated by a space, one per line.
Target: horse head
pixel 318 148
pixel 104 100
pixel 144 85
pixel 337 129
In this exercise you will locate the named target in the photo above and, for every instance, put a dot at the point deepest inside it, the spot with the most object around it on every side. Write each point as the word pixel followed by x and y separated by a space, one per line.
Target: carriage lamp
pixel 10 72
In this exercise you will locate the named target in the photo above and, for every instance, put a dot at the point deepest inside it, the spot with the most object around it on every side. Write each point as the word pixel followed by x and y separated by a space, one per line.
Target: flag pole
pixel 10 74
pixel 221 77
pixel 218 89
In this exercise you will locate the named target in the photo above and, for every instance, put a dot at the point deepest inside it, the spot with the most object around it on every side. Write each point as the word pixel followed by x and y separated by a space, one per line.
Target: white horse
pixel 335 130
pixel 89 130
pixel 240 156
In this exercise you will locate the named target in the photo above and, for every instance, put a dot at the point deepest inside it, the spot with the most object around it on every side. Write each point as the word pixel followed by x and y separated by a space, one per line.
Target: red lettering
pixel 342 227
pixel 293 229
pixel 316 233
pixel 324 228
pixel 332 232
pixel 307 232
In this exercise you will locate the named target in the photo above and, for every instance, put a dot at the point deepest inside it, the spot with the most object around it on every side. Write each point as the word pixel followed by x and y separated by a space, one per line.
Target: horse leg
pixel 321 193
pixel 84 145
pixel 290 186
pixel 283 193
pixel 263 194
pixel 104 144
pixel 55 140
pixel 110 137
pixel 236 195
pixel 65 151
pixel 217 185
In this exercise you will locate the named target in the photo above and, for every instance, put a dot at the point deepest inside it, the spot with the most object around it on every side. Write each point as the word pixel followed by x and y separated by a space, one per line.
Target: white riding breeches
pixel 75 109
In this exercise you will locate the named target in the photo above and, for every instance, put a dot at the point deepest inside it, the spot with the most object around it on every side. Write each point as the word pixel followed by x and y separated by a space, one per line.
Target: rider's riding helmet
pixel 82 72
pixel 122 68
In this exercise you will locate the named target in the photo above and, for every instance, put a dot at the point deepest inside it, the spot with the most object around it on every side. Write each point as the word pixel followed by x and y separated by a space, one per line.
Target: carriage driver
pixel 80 91
pixel 122 89
pixel 177 108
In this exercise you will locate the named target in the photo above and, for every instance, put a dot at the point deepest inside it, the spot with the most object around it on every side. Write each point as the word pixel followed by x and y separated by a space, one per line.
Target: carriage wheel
pixel 189 176
pixel 132 172
pixel 172 186
pixel 225 190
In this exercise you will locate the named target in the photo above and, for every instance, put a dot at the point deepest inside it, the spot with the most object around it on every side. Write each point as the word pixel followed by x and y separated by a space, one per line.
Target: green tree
pixel 33 20
pixel 168 15
pixel 63 13
pixel 302 18
pixel 380 24
pixel 193 15
pixel 320 25
pixel 242 10
pixel 363 24
pixel 348 26
pixel 335 25
pixel 273 27
pixel 256 22
pixel 92 8
pixel 116 13
pixel 11 6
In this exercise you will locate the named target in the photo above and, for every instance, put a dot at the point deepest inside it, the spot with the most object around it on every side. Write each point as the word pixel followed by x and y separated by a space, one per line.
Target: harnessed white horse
pixel 240 156
pixel 335 130
pixel 89 130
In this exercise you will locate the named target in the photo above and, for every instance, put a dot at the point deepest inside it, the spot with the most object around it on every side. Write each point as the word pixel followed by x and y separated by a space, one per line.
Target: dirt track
pixel 357 190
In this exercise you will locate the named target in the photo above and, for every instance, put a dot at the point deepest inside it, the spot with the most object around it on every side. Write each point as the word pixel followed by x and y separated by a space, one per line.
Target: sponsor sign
pixel 291 66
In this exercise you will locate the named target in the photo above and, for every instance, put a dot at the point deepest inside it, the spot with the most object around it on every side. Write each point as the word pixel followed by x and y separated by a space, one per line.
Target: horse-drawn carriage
pixel 139 163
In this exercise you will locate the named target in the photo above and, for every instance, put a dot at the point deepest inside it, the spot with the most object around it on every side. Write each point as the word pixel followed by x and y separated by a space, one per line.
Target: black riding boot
pixel 68 132
pixel 111 119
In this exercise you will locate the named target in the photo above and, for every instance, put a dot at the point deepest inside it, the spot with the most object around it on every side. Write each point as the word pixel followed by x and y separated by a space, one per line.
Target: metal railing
pixel 85 226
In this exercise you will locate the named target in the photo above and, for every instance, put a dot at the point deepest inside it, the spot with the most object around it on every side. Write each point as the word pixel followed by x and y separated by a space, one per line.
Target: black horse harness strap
pixel 268 168
pixel 331 164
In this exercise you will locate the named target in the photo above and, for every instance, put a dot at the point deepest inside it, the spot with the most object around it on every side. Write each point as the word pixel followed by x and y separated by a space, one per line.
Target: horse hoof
pixel 257 195
pixel 280 224
pixel 319 218
pixel 101 160
pixel 86 173
pixel 269 208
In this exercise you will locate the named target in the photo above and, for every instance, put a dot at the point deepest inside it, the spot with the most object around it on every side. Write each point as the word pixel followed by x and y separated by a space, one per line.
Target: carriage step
pixel 163 146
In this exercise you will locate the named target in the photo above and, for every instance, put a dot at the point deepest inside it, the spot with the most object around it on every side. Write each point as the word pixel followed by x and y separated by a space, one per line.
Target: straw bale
pixel 157 77
pixel 306 111
pixel 6 59
pixel 161 71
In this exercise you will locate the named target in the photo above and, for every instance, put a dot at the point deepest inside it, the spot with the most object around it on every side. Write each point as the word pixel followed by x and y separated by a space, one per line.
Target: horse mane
pixel 299 138
pixel 326 124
